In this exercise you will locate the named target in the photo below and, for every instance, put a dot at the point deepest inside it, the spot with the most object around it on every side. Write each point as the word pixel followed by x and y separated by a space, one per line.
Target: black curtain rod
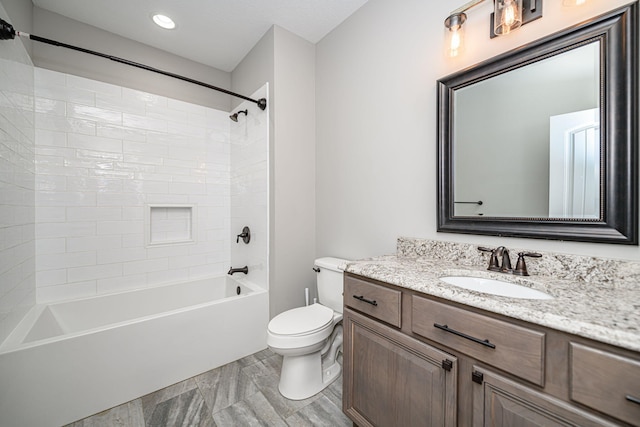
pixel 7 32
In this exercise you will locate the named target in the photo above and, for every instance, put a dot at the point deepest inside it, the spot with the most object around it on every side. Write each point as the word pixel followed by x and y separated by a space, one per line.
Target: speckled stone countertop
pixel 598 299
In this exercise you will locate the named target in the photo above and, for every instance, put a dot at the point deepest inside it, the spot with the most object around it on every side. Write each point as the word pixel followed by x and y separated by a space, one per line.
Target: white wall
pixel 287 62
pixel 17 197
pixel 104 153
pixel 376 123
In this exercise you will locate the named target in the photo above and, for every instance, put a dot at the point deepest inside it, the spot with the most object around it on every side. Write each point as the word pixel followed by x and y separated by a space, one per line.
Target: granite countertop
pixel 600 312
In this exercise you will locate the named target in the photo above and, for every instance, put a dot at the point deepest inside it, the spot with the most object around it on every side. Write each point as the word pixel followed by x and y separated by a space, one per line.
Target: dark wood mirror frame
pixel 617 32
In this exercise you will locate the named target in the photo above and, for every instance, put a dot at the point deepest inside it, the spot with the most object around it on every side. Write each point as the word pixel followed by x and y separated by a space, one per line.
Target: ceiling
pixel 218 33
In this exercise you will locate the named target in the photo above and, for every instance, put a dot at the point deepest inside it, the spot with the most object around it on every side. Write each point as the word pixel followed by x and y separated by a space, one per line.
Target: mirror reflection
pixel 526 143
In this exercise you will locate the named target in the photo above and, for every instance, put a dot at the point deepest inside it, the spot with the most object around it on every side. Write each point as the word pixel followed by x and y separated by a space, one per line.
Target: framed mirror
pixel 542 141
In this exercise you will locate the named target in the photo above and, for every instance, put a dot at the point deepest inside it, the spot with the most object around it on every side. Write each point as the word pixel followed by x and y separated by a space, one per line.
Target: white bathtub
pixel 69 360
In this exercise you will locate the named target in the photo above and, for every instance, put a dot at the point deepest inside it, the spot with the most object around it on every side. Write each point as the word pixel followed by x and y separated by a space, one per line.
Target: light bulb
pixel 454 34
pixel 508 16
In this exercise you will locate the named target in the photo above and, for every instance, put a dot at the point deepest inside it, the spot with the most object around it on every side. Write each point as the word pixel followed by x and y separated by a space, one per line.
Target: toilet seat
pixel 302 321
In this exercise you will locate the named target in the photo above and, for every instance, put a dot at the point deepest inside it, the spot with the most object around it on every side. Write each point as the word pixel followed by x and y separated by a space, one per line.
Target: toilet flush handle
pixel 316 269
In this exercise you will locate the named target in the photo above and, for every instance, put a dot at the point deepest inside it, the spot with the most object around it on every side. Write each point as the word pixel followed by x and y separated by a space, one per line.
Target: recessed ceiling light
pixel 164 21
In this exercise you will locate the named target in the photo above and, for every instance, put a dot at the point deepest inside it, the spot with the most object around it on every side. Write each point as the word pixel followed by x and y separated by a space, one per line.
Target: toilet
pixel 309 338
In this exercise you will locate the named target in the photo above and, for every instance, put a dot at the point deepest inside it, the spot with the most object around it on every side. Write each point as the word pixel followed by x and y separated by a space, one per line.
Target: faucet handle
pixel 493 261
pixel 521 266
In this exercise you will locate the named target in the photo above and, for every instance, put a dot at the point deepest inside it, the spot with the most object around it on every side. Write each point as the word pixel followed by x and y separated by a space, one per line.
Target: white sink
pixel 495 287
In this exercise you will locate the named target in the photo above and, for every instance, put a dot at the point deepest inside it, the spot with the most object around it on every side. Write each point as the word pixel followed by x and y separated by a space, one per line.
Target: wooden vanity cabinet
pixel 415 360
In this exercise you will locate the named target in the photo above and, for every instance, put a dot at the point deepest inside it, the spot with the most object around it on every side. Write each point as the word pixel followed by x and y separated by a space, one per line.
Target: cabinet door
pixel 500 402
pixel 393 380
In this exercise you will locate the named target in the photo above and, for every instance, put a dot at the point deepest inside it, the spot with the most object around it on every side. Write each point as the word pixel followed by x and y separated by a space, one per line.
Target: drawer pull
pixel 486 343
pixel 363 299
pixel 632 399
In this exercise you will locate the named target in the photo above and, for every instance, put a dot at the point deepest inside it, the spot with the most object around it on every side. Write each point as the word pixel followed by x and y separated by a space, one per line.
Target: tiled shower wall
pixel 17 210
pixel 103 154
pixel 249 189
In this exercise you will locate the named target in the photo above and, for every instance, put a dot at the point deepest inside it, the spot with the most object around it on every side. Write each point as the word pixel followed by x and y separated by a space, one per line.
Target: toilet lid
pixel 302 320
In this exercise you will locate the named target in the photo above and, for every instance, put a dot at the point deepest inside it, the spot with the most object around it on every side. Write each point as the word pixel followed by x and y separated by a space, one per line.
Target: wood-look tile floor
pixel 242 393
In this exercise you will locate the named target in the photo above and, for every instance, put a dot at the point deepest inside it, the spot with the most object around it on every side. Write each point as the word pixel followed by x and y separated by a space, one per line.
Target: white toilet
pixel 310 337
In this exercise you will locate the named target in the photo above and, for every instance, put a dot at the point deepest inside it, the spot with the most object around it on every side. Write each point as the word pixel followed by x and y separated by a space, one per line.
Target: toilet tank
pixel 330 282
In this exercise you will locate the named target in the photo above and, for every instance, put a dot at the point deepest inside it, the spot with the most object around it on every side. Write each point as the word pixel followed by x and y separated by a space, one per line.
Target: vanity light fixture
pixel 164 21
pixel 508 15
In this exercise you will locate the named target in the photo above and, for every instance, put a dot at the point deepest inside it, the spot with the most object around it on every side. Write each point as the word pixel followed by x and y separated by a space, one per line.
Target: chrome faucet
pixel 232 270
pixel 505 265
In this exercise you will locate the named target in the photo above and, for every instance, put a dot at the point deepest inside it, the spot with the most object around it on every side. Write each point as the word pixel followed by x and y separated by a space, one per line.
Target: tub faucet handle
pixel 245 235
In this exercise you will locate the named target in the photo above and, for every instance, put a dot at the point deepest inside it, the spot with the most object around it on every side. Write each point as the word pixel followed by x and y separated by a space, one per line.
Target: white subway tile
pixel 119 284
pixel 117 102
pixel 65 198
pixel 118 199
pixel 144 122
pixel 51 277
pixel 146 266
pixel 94 213
pixel 96 114
pixel 95 143
pixel 144 97
pixel 64 229
pixel 108 130
pixel 44 78
pixel 167 276
pixel 51 214
pixel 133 240
pixel 132 213
pixel 93 243
pixel 64 124
pixel 119 227
pixel 51 138
pixel 112 256
pixel 63 292
pixel 50 106
pixel 102 271
pixel 46 262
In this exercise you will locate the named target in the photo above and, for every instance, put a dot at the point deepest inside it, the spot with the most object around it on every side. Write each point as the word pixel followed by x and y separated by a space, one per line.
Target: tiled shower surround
pixel 17 168
pixel 104 154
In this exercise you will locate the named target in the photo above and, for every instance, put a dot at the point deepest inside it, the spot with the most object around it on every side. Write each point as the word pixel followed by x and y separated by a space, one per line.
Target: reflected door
pixel 574 165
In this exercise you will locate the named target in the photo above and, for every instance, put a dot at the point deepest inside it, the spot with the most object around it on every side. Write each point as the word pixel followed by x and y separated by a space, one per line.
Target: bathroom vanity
pixel 420 352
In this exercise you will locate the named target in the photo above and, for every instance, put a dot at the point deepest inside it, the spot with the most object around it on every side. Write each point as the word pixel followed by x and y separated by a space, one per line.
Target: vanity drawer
pixel 514 349
pixel 375 300
pixel 606 382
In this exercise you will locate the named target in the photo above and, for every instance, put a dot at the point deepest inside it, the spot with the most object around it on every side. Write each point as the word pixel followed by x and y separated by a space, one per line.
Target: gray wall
pixel 57 27
pixel 376 123
pixel 21 17
pixel 287 62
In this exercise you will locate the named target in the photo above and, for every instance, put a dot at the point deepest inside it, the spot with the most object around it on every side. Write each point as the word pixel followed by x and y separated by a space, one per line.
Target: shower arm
pixel 7 32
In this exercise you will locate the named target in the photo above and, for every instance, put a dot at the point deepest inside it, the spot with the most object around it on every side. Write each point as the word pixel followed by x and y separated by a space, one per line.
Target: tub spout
pixel 244 270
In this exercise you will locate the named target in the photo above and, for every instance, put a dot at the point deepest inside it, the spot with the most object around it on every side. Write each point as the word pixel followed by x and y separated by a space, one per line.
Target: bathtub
pixel 72 359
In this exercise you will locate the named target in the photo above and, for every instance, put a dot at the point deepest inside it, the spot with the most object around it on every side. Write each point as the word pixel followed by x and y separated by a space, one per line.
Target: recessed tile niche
pixel 170 224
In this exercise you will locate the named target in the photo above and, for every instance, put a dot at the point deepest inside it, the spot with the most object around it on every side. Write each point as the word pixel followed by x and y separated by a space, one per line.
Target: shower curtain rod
pixel 7 32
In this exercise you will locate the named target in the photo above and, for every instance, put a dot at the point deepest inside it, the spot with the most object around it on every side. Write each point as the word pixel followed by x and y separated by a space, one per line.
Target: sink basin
pixel 495 287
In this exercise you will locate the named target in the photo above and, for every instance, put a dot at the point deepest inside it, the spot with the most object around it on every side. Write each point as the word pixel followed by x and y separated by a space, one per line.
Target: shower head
pixel 234 116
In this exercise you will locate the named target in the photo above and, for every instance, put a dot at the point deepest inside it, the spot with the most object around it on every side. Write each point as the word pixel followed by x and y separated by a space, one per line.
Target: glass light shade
pixel 571 3
pixel 454 35
pixel 507 16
